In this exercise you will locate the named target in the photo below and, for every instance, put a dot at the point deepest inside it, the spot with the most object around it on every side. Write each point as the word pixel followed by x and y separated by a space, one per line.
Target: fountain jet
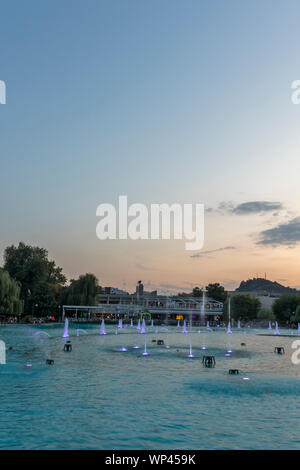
pixel 145 350
pixel 143 329
pixel 102 328
pixel 276 332
pixel 184 327
pixel 229 332
pixel 270 326
pixel 202 314
pixel 239 324
pixel 191 355
pixel 139 325
pixel 66 329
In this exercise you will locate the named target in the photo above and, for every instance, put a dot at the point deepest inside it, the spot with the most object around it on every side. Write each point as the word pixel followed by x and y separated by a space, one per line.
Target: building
pixel 161 307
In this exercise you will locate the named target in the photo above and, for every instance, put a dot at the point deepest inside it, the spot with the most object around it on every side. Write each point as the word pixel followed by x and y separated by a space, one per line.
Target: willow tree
pixel 82 291
pixel 10 302
pixel 41 280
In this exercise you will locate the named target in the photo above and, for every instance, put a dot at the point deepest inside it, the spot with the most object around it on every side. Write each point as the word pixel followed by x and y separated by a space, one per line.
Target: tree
pixel 265 314
pixel 216 292
pixel 197 292
pixel 242 307
pixel 82 291
pixel 285 307
pixel 33 270
pixel 10 302
pixel 297 314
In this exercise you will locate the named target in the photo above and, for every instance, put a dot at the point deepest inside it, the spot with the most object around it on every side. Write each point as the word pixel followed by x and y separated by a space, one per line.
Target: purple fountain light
pixel 102 328
pixel 143 329
pixel 66 329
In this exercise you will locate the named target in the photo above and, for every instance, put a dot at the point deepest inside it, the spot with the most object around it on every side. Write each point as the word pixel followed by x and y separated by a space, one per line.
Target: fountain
pixel 276 332
pixel 191 355
pixel 202 314
pixel 207 325
pixel 120 325
pixel 178 324
pixel 78 331
pixel 298 328
pixel 66 329
pixel 131 323
pixel 239 324
pixel 102 328
pixel 152 324
pixel 270 326
pixel 139 325
pixel 184 327
pixel 143 329
pixel 229 317
pixel 145 349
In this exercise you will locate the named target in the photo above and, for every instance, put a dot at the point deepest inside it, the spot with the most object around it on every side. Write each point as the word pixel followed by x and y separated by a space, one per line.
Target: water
pixel 143 329
pixel 66 329
pixel 102 328
pixel 97 397
pixel 202 314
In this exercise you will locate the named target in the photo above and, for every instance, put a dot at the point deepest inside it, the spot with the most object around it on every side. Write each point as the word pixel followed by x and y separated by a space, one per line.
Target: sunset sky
pixel 162 101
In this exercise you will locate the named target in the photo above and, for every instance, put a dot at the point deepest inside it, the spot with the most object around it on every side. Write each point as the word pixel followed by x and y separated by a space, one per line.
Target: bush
pixel 265 314
pixel 285 307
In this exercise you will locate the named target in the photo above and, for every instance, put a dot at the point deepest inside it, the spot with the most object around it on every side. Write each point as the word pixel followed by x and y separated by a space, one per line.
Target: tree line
pixel 32 284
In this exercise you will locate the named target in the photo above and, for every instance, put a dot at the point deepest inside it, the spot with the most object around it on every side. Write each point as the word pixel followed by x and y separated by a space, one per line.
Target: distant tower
pixel 139 289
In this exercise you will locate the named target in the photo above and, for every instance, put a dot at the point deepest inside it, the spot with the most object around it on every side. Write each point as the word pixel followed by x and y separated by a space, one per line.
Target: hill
pixel 261 284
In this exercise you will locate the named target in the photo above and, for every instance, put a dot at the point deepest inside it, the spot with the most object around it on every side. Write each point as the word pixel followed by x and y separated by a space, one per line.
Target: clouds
pixel 209 252
pixel 256 207
pixel 284 234
pixel 248 208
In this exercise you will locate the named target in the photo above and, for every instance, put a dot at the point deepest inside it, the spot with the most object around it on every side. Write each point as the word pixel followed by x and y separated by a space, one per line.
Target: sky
pixel 163 101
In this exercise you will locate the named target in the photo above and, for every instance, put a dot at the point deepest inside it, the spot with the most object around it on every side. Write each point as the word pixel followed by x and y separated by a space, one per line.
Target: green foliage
pixel 243 307
pixel 82 291
pixel 40 279
pixel 265 314
pixel 216 292
pixel 285 307
pixel 10 303
pixel 297 315
pixel 197 292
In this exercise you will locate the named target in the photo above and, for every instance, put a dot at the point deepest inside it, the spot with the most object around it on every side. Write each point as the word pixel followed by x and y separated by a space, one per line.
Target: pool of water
pixel 97 397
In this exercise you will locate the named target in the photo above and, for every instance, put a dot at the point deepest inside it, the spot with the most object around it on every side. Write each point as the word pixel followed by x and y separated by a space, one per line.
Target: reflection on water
pixel 97 397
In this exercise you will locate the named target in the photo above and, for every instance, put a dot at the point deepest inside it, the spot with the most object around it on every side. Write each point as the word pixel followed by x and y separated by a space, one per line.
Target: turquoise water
pixel 97 397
